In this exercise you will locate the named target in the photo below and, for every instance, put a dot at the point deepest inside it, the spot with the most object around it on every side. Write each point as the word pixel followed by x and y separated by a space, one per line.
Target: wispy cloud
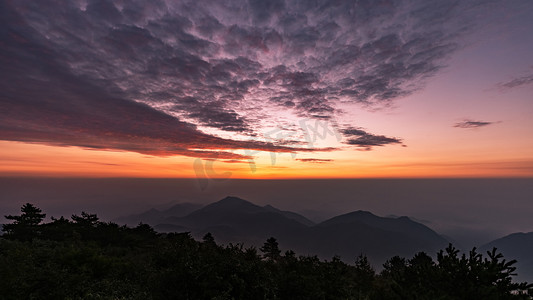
pixel 516 82
pixel 472 124
pixel 314 160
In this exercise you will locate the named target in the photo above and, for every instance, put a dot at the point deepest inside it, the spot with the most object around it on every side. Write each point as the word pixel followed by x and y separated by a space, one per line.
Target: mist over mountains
pixel 466 212
pixel 471 212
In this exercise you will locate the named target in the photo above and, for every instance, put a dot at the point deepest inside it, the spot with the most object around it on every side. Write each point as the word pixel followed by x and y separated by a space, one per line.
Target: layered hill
pixel 517 246
pixel 234 220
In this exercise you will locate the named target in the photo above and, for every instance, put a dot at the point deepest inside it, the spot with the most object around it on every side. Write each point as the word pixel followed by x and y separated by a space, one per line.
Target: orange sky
pixel 433 148
pixel 22 159
pixel 382 96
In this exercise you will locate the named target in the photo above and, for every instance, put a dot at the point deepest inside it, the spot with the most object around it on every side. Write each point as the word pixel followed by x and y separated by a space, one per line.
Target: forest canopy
pixel 85 258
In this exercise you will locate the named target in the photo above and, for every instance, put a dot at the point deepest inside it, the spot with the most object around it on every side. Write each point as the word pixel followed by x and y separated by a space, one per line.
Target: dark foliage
pixel 84 258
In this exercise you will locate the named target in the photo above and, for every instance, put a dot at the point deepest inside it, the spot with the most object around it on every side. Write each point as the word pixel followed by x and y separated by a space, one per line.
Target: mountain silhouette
pixel 517 246
pixel 402 225
pixel 235 220
pixel 380 238
pixel 291 215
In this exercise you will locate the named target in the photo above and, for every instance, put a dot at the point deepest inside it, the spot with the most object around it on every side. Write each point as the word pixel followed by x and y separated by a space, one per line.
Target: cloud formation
pixel 472 124
pixel 366 141
pixel 174 77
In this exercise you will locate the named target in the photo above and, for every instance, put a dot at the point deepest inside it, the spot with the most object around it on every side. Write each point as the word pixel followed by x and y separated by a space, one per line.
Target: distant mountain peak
pixel 357 215
pixel 364 212
pixel 233 199
pixel 230 204
pixel 369 215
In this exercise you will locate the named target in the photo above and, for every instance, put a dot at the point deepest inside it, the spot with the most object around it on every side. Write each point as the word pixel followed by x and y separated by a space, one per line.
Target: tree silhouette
pixel 452 276
pixel 89 259
pixel 25 226
pixel 271 250
pixel 364 276
pixel 86 219
pixel 208 239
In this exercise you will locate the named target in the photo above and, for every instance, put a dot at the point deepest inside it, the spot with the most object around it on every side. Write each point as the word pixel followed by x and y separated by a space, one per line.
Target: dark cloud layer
pixel 472 124
pixel 154 76
pixel 365 140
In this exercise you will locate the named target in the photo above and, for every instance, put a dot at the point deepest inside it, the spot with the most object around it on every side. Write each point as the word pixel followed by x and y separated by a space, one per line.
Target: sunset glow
pixel 267 91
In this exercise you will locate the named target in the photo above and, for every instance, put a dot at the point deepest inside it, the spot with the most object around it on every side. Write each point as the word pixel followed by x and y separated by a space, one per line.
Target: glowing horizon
pixel 267 91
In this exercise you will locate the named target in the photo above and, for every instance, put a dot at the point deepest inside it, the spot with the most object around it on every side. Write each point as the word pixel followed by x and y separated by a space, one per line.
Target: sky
pixel 275 89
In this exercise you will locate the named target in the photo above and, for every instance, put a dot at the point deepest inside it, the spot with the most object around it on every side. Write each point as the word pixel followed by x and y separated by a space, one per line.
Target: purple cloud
pixel 172 77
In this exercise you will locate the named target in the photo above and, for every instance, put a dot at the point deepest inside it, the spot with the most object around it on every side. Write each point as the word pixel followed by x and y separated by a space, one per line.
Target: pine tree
pixel 271 249
pixel 26 226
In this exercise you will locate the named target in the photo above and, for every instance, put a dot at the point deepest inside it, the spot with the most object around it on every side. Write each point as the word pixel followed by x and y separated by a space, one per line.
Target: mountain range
pixel 234 220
